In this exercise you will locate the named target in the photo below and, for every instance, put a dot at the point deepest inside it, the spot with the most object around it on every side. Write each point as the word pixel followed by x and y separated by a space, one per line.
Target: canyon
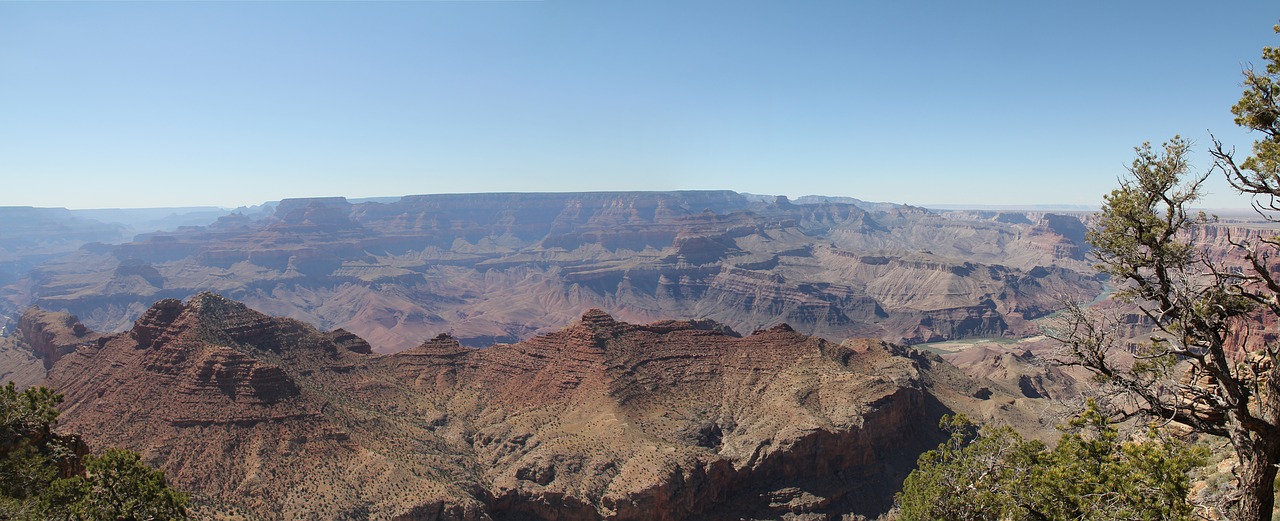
pixel 553 356
pixel 265 417
pixel 489 268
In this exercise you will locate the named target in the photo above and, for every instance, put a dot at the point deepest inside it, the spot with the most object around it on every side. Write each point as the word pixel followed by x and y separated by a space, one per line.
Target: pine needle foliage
pixel 984 473
pixel 48 476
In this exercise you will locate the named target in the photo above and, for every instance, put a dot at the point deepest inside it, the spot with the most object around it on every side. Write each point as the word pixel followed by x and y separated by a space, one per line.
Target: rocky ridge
pixel 49 335
pixel 270 418
pixel 489 268
pixel 217 396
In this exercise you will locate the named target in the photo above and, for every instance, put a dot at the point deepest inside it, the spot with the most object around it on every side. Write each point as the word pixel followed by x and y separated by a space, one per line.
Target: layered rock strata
pixel 599 420
pixel 504 267
pixel 50 335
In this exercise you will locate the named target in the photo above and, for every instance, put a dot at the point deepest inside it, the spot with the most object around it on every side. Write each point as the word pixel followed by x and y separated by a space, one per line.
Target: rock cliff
pixel 220 397
pixel 504 267
pixel 50 335
pixel 18 364
pixel 270 418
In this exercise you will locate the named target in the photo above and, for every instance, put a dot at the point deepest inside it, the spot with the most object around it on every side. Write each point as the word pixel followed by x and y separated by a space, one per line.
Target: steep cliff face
pixel 504 267
pixel 218 397
pixel 1066 235
pixel 600 420
pixel 1061 235
pixel 50 335
pixel 18 364
pixel 681 419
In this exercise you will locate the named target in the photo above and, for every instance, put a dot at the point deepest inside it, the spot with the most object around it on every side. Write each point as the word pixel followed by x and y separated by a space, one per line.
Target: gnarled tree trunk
pixel 1257 475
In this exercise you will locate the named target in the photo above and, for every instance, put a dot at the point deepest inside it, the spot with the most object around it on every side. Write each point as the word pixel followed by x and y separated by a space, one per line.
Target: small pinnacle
pixel 597 317
pixel 780 328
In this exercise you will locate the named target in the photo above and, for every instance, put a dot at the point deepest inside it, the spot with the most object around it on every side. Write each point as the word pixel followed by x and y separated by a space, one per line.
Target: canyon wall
pixel 273 419
pixel 503 267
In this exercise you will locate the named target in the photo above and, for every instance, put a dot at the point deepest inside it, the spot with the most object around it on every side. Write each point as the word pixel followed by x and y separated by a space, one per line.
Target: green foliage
pixel 992 473
pixel 1194 370
pixel 973 475
pixel 1259 110
pixel 1134 238
pixel 29 411
pixel 1092 474
pixel 29 451
pixel 116 485
pixel 41 476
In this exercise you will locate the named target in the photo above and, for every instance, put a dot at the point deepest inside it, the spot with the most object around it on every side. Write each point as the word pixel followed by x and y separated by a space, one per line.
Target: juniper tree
pixel 1197 368
pixel 1092 473
pixel 44 477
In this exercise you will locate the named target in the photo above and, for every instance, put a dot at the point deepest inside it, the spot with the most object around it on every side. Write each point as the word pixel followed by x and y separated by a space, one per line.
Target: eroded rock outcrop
pixel 18 364
pixel 599 420
pixel 492 268
pixel 237 407
pixel 676 420
pixel 50 335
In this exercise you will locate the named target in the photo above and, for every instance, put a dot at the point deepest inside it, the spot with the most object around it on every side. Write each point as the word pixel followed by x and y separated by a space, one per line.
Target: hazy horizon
pixel 1235 210
pixel 143 105
pixel 974 206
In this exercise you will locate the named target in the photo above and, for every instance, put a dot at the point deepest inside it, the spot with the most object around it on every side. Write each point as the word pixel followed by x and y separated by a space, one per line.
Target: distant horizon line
pixel 387 198
pixel 1065 207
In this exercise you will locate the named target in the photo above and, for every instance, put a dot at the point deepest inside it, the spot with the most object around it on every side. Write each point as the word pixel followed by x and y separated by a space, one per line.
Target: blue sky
pixel 1020 102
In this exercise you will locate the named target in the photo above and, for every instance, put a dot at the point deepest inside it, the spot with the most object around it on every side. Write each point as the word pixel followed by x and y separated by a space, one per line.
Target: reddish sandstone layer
pixel 50 335
pixel 599 420
pixel 673 420
pixel 492 268
pixel 217 396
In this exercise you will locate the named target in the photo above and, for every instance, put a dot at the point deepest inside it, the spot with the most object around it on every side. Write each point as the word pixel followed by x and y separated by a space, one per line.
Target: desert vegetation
pixel 1197 369
pixel 1207 366
pixel 1091 473
pixel 45 475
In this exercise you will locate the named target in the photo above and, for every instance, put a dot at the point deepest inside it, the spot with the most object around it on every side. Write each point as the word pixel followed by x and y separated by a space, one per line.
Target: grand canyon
pixel 528 261
pixel 490 268
pixel 625 355
pixel 558 356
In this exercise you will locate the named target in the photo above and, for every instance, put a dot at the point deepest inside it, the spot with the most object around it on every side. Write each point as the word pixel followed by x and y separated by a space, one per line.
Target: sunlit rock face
pixel 598 419
pixel 491 268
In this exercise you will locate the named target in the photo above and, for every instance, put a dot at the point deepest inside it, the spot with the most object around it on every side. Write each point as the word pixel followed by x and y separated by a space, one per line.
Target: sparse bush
pixel 42 476
pixel 992 473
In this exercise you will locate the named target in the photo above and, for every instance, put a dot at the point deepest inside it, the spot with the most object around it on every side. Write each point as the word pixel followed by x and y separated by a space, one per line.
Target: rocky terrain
pixel 18 364
pixel 270 418
pixel 489 268
pixel 507 413
pixel 31 236
pixel 41 339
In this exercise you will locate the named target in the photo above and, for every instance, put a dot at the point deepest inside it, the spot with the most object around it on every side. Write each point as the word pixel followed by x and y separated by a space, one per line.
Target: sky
pixel 148 104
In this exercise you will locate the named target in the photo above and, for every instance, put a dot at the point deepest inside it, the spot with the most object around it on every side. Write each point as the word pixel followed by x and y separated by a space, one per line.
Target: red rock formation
pixel 18 364
pixel 504 267
pixel 679 419
pixel 602 419
pixel 219 396
pixel 1064 235
pixel 50 335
